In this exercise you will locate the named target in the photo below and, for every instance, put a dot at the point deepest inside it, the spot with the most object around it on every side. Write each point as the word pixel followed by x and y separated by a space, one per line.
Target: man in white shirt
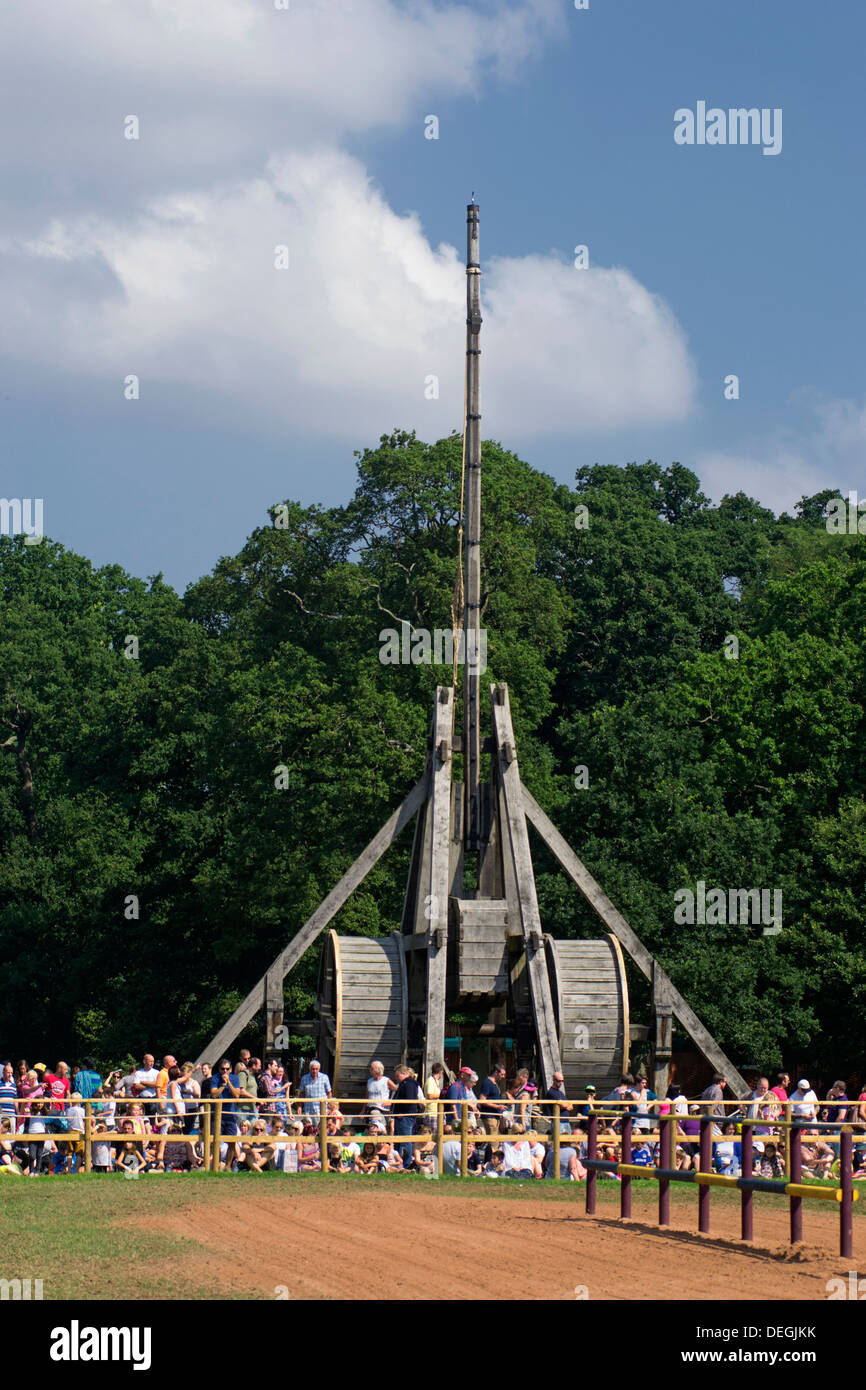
pixel 805 1102
pixel 144 1082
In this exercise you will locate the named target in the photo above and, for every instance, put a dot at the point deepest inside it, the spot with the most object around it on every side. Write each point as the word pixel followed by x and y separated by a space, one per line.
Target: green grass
pixel 74 1234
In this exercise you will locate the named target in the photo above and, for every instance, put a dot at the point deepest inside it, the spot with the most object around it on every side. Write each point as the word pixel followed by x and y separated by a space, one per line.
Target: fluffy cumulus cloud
pixel 168 270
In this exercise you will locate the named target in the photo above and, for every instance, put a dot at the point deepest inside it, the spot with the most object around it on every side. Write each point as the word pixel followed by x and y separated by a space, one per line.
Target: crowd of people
pixel 152 1119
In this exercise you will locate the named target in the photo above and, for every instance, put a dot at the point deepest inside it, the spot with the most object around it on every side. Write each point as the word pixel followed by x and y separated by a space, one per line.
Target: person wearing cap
pixel 588 1108
pixel 461 1089
pixel 805 1103
pixel 557 1092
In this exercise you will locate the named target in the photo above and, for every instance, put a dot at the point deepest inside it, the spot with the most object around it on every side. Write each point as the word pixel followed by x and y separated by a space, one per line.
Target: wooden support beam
pixel 436 889
pixel 273 1011
pixel 515 845
pixel 643 959
pixel 315 924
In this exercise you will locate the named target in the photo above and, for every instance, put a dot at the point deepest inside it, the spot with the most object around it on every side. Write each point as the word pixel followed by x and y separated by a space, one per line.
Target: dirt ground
pixel 418 1244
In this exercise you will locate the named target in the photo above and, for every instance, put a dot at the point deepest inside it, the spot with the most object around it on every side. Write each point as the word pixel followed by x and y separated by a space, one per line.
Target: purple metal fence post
pixel 625 1184
pixel 706 1164
pixel 591 1175
pixel 664 1162
pixel 746 1211
pixel 846 1210
pixel 796 1175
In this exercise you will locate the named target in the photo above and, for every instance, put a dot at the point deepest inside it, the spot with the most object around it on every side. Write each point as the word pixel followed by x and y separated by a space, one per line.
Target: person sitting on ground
pixel 570 1167
pixel 367 1162
pixel 253 1152
pixel 8 1157
pixel 287 1155
pixel 517 1156
pixel 310 1160
pixel 494 1167
pixel 724 1156
pixel 683 1152
pixel 102 1160
pixel 538 1153
pixel 176 1153
pixel 350 1150
pixel 128 1155
pixel 425 1152
pixel 771 1163
pixel 451 1152
pixel 816 1156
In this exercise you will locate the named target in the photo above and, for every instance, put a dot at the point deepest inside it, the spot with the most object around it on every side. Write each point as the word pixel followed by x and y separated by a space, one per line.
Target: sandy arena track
pixel 415 1244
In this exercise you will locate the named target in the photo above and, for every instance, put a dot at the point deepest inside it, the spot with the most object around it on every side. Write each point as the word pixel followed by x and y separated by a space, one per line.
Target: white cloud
pixel 157 255
pixel 340 343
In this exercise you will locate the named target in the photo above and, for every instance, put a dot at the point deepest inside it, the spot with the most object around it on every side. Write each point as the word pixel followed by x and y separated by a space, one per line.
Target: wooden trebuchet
pixel 643 959
pixel 256 999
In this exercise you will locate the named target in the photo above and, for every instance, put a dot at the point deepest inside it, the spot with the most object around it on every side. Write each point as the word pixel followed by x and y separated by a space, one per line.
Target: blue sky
pixel 155 256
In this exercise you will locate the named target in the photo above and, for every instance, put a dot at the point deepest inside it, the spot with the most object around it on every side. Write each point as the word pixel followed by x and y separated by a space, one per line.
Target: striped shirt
pixel 8 1094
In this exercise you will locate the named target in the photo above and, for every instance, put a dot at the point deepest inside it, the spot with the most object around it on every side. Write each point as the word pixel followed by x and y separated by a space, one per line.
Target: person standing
pixel 491 1104
pixel 805 1103
pixel 314 1086
pixel 379 1088
pixel 433 1091
pixel 780 1090
pixel 713 1097
pixel 408 1106
pixel 87 1079
pixel 557 1092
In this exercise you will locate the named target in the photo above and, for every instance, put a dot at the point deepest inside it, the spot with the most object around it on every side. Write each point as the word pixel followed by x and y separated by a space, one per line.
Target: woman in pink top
pixel 29 1089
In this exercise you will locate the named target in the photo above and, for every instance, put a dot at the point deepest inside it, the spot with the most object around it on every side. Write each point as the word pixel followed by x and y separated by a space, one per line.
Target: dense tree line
pixel 182 779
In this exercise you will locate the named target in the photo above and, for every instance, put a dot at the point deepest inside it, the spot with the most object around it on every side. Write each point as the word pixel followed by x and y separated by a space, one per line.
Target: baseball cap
pixel 465 1071
pixel 803 1085
pixel 590 1087
pixel 40 1066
